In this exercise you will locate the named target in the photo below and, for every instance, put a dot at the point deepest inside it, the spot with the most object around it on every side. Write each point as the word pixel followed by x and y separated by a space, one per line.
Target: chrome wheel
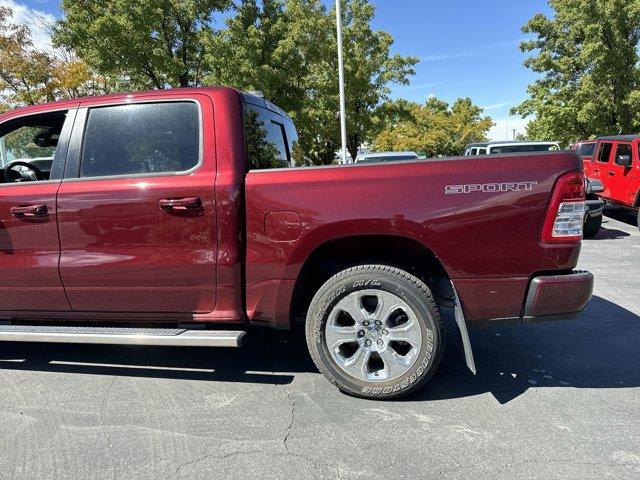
pixel 373 335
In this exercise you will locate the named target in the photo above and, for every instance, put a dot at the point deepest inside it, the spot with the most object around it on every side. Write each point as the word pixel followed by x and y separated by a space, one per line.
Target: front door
pixel 33 154
pixel 620 175
pixel 136 209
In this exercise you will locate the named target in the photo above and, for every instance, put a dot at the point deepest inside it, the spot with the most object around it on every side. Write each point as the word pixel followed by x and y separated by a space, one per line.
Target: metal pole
pixel 343 109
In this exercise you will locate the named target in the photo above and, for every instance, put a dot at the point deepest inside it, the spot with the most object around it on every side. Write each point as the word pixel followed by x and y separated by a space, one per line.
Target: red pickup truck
pixel 615 162
pixel 185 217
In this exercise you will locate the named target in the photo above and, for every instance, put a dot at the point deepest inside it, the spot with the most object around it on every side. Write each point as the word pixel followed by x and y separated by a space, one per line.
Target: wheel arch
pixel 337 254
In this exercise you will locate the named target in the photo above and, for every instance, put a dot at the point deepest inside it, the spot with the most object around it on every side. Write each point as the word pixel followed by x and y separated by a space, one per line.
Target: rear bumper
pixel 557 297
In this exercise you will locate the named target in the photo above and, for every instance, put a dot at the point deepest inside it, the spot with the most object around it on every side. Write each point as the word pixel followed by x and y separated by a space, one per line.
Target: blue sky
pixel 467 48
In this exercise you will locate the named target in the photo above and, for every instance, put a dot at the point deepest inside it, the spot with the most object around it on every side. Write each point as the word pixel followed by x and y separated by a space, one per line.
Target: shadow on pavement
pixel 262 360
pixel 598 350
pixel 622 215
pixel 608 233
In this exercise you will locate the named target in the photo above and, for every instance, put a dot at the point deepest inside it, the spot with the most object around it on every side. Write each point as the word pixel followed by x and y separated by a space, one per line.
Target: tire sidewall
pixel 404 287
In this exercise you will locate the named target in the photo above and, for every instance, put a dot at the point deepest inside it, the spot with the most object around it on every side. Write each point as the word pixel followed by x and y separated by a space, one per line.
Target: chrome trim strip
pixel 190 338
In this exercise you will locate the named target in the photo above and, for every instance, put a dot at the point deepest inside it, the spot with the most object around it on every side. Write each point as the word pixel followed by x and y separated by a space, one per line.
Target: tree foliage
pixel 434 128
pixel 30 75
pixel 587 58
pixel 154 43
pixel 288 50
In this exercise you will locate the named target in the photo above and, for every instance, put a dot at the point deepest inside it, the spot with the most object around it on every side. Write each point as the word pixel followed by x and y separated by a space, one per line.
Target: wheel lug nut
pixel 365 323
pixel 361 333
pixel 385 332
pixel 380 343
pixel 378 322
pixel 368 343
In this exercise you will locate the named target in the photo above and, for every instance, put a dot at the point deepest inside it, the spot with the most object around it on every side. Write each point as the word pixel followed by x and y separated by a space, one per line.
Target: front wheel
pixel 375 332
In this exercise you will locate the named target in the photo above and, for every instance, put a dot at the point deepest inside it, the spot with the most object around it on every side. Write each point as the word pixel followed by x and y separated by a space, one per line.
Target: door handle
pixel 611 173
pixel 29 211
pixel 180 204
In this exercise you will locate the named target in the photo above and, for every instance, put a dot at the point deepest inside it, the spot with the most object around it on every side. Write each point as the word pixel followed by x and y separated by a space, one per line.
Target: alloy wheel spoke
pixel 394 366
pixel 336 335
pixel 356 365
pixel 407 332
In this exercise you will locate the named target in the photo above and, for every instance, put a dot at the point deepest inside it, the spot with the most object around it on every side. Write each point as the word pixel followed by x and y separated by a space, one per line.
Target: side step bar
pixel 175 337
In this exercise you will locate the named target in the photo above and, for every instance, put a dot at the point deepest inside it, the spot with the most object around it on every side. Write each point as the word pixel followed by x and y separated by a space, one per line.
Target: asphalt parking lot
pixel 549 401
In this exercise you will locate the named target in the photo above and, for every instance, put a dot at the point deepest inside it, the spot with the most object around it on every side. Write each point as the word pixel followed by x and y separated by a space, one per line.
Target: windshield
pixel 543 147
pixel 586 149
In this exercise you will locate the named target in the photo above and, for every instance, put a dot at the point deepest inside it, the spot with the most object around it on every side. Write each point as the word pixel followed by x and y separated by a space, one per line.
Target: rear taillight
pixel 565 217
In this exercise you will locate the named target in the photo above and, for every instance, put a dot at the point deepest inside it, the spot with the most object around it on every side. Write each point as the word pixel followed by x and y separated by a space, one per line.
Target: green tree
pixel 29 75
pixel 154 43
pixel 288 50
pixel 434 128
pixel 587 58
pixel 25 72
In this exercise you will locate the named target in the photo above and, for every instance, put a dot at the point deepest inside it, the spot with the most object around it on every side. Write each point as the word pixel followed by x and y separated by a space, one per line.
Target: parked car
pixel 616 164
pixel 594 186
pixel 493 148
pixel 177 217
pixel 378 157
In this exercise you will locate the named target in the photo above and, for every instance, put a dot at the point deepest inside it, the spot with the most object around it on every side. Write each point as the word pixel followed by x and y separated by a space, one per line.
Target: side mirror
pixel 624 160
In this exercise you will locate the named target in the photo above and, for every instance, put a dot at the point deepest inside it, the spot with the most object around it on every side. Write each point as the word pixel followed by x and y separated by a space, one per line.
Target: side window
pixel 605 152
pixel 623 150
pixel 143 138
pixel 265 134
pixel 32 141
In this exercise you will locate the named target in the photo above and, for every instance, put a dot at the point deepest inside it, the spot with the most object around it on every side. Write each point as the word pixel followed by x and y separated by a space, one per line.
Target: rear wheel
pixel 592 225
pixel 375 332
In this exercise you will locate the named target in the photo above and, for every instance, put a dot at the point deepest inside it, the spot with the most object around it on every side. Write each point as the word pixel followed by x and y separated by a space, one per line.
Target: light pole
pixel 343 110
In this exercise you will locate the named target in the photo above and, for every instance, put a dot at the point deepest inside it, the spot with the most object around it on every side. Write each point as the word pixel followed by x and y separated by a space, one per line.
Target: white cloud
pixel 36 20
pixel 503 129
pixel 496 106
pixel 475 51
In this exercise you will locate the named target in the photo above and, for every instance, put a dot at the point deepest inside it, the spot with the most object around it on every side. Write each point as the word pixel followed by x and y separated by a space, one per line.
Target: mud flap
pixel 464 334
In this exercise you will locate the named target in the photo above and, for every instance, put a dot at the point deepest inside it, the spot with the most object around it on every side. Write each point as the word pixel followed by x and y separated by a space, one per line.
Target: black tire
pixel 415 294
pixel 592 225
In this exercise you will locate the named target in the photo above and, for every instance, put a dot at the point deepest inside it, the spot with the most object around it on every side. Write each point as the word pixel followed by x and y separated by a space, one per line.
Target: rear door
pixel 136 208
pixel 604 151
pixel 29 247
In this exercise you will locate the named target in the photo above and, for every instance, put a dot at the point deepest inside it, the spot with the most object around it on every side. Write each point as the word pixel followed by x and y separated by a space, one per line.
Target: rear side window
pixel 266 139
pixel 605 152
pixel 623 149
pixel 141 139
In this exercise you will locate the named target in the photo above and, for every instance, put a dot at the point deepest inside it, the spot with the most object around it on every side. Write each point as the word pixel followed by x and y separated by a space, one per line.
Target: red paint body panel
pixel 486 241
pixel 29 251
pixel 122 257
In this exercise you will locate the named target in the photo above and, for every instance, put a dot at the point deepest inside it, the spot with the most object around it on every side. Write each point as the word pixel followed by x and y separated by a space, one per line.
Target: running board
pixel 175 337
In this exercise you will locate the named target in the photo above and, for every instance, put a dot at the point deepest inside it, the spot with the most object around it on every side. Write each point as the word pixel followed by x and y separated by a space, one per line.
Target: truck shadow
pixel 599 350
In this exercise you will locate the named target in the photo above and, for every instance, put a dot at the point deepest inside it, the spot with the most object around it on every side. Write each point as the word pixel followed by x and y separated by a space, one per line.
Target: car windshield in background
pixel 394 158
pixel 524 148
pixel 586 149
